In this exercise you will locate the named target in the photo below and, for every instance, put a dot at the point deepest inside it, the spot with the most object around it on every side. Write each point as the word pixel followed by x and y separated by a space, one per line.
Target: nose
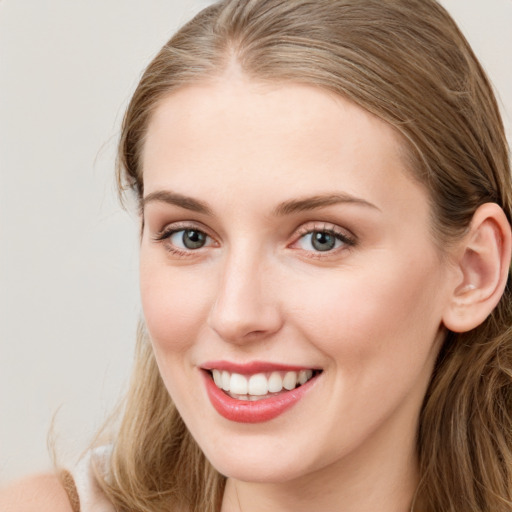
pixel 245 307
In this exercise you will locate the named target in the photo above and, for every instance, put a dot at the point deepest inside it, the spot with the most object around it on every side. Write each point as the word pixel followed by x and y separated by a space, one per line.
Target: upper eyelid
pixel 324 226
pixel 173 227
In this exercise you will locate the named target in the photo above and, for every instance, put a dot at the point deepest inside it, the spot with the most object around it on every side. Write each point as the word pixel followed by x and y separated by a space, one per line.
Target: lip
pixel 259 411
pixel 252 367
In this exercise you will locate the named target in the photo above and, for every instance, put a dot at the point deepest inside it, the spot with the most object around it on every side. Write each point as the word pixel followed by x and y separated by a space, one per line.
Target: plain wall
pixel 68 252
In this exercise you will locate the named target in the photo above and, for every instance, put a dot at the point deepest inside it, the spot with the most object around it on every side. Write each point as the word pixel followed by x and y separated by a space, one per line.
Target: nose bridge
pixel 245 305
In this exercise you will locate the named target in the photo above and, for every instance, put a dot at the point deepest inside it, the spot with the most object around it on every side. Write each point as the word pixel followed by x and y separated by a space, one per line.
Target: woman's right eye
pixel 188 239
pixel 183 240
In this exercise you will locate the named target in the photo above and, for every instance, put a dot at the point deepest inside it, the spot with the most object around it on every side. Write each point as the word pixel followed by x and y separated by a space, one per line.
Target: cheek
pixel 175 305
pixel 388 313
pixel 175 310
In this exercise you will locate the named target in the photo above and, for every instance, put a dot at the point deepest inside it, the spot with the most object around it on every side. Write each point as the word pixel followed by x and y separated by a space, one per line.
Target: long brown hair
pixel 406 62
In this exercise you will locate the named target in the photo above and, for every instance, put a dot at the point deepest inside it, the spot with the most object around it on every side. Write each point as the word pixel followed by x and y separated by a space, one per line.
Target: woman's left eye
pixel 324 240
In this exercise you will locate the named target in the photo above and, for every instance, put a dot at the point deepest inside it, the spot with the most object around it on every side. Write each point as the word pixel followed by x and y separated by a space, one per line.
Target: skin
pixel 368 313
pixel 371 311
pixel 37 493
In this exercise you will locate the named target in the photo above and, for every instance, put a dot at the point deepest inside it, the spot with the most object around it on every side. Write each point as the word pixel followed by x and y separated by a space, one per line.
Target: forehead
pixel 272 139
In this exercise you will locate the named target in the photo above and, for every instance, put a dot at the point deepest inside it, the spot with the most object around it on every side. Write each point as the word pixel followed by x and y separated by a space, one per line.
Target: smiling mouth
pixel 260 386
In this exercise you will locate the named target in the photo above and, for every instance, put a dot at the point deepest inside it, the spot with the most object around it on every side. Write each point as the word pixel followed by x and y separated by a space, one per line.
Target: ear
pixel 483 266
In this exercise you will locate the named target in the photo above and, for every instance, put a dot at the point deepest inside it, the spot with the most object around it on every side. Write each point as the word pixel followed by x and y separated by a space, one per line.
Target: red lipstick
pixel 257 411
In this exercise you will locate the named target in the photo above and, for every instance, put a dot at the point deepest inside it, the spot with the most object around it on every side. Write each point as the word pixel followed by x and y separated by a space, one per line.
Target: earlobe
pixel 483 266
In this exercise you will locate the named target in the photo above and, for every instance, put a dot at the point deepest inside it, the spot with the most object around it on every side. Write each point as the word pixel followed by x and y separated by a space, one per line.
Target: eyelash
pixel 348 241
pixel 165 235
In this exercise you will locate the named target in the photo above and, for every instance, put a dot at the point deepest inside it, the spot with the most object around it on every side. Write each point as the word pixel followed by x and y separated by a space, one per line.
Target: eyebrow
pixel 188 203
pixel 319 201
pixel 286 208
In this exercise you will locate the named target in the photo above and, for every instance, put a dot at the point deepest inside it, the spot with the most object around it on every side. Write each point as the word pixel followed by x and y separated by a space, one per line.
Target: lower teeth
pixel 252 398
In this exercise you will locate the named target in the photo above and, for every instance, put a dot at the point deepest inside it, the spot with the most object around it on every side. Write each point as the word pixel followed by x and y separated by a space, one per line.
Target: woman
pixel 325 207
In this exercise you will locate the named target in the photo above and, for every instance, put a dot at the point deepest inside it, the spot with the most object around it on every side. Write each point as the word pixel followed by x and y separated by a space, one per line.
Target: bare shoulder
pixel 38 493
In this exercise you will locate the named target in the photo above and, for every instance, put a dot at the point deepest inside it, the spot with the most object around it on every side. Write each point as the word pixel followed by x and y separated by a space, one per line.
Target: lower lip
pixel 258 411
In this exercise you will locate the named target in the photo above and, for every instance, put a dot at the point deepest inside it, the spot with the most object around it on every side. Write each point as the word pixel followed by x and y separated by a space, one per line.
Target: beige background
pixel 68 253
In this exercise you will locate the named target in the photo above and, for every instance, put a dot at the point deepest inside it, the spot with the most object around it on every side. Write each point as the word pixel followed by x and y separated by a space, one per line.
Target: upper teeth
pixel 260 383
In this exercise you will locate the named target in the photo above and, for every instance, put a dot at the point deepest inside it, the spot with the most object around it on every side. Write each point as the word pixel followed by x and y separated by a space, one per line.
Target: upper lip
pixel 253 367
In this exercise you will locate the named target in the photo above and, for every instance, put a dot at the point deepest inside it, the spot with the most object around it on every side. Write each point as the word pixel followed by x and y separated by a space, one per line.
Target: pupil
pixel 323 241
pixel 193 239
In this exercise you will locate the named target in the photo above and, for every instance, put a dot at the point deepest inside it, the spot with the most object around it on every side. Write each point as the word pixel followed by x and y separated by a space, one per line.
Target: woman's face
pixel 284 240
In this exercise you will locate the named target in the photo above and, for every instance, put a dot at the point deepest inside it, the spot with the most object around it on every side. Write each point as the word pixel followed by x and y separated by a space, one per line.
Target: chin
pixel 259 471
pixel 270 463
